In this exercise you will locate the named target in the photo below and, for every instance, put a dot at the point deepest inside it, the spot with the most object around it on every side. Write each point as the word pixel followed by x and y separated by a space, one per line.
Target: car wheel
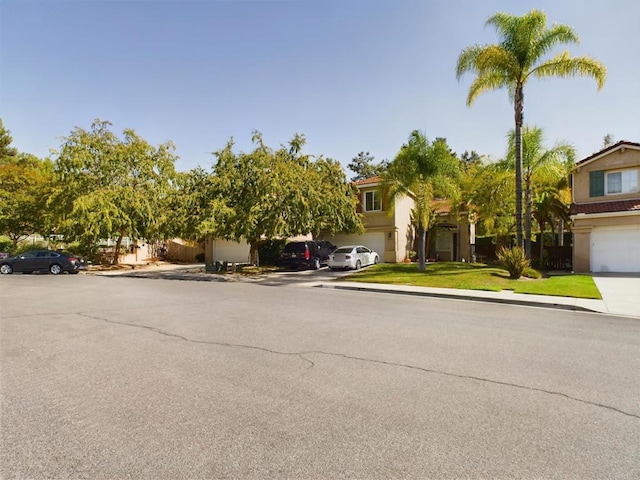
pixel 316 263
pixel 6 269
pixel 358 265
pixel 55 269
pixel 375 259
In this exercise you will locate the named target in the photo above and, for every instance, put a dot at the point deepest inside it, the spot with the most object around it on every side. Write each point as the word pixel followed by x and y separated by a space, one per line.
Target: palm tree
pixel 547 206
pixel 549 166
pixel 422 171
pixel 524 41
pixel 488 191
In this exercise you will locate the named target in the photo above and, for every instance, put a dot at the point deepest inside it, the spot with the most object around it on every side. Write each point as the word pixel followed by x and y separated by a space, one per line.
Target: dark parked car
pixel 307 254
pixel 43 261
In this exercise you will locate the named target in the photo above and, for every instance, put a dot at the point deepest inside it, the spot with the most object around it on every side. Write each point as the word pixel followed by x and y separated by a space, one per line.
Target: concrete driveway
pixel 620 292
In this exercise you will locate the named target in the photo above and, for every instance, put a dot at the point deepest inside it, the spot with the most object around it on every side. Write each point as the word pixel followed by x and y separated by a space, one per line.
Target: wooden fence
pixel 181 252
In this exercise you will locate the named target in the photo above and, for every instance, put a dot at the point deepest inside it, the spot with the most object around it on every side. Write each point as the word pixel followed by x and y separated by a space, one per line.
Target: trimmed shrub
pixel 514 260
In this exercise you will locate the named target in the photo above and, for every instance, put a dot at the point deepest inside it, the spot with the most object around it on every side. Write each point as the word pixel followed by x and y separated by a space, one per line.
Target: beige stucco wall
pixel 617 160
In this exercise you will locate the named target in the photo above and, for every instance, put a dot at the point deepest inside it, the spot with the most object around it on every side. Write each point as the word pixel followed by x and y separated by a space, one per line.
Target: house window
pixel 372 202
pixel 624 181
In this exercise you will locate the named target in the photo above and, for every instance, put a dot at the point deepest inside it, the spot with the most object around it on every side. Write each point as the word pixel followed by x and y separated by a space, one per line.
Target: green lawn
pixel 476 276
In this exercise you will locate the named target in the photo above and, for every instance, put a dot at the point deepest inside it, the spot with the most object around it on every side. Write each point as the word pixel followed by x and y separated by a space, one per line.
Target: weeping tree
pixel 267 193
pixel 424 171
pixel 110 186
pixel 520 55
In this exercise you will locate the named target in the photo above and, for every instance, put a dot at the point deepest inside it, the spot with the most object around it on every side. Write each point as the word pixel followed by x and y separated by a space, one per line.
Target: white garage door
pixel 374 241
pixel 615 249
pixel 225 251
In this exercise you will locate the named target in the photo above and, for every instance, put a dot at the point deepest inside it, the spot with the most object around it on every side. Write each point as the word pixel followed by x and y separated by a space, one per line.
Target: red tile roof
pixel 442 206
pixel 370 180
pixel 606 207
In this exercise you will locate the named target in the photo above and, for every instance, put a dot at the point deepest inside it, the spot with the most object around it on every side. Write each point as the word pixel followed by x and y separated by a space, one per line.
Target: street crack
pixel 204 342
pixel 302 355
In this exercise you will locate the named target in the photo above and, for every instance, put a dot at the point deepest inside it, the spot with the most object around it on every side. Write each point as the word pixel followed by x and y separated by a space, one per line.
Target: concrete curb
pixel 451 296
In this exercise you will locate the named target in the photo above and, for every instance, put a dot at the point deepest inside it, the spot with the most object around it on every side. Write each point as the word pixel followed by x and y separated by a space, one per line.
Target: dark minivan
pixel 307 254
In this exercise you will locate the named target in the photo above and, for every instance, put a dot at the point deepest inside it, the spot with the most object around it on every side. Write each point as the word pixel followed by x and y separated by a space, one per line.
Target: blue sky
pixel 352 75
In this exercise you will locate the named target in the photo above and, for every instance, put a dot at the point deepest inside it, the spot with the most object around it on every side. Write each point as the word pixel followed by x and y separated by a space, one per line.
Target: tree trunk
pixel 253 253
pixel 116 253
pixel 561 232
pixel 542 227
pixel 421 248
pixel 527 217
pixel 519 107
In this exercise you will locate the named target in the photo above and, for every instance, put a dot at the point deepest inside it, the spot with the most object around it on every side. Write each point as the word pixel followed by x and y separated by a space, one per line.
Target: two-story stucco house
pixel 605 210
pixel 392 235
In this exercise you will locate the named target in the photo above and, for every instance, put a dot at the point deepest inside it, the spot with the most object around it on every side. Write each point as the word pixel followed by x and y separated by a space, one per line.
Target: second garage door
pixel 615 249
pixel 374 241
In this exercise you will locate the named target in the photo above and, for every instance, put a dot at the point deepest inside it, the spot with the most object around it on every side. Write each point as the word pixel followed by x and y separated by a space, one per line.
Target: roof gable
pixel 606 151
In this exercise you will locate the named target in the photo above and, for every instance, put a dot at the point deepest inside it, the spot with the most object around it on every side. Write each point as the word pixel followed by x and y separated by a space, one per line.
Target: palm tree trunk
pixel 560 237
pixel 527 217
pixel 421 248
pixel 519 117
pixel 542 227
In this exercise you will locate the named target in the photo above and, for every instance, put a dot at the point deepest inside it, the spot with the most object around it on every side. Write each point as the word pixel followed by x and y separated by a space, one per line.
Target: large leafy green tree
pixel 7 152
pixel 269 193
pixel 26 183
pixel 521 55
pixel 189 203
pixel 111 187
pixel 423 171
pixel 547 167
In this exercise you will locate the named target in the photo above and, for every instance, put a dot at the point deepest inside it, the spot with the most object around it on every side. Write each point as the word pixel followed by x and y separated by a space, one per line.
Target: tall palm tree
pixel 548 166
pixel 524 42
pixel 423 171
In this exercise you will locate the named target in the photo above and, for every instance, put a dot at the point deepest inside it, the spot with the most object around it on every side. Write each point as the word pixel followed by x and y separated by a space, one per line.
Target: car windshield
pixel 344 250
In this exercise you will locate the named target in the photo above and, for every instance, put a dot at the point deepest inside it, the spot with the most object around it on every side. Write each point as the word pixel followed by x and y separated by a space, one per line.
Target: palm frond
pixel 565 66
pixel 555 35
pixel 486 83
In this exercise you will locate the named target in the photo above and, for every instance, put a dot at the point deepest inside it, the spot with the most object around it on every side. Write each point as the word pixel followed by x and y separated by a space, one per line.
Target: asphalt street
pixel 120 377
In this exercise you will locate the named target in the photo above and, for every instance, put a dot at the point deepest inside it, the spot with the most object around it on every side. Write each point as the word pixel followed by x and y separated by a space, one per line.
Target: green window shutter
pixel 596 183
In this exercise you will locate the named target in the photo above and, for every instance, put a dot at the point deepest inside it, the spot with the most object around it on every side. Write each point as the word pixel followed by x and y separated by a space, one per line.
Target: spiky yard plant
pixel 514 260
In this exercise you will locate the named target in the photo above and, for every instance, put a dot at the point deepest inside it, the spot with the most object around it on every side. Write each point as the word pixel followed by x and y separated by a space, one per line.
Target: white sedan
pixel 352 256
